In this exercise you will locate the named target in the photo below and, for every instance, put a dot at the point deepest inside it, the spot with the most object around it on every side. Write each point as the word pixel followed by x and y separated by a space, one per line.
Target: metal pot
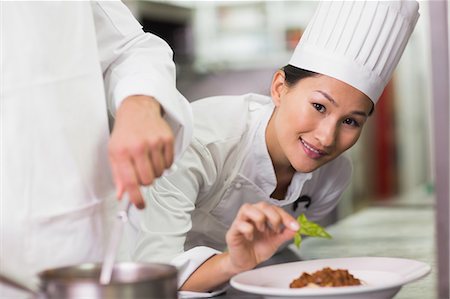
pixel 129 281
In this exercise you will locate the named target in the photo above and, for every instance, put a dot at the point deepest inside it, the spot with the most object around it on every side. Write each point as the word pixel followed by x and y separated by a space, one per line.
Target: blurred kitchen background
pixel 234 47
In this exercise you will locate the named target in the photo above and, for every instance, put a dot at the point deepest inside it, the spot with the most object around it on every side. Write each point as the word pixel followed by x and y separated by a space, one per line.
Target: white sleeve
pixel 137 63
pixel 164 225
pixel 187 263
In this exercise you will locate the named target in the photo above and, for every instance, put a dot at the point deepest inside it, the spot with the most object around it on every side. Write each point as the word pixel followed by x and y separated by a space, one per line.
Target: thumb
pixel 284 236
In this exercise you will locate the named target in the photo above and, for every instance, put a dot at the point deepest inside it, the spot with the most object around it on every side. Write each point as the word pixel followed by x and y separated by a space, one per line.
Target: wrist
pixel 213 273
pixel 229 267
pixel 148 102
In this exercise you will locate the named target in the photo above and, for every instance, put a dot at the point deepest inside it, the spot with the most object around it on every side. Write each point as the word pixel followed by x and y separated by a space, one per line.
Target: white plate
pixel 382 278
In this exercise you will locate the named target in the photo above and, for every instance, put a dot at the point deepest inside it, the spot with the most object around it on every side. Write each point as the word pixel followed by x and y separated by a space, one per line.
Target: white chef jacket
pixel 226 165
pixel 63 64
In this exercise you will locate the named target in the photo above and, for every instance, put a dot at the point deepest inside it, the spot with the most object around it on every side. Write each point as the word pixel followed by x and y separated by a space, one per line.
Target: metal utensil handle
pixel 114 240
pixel 124 207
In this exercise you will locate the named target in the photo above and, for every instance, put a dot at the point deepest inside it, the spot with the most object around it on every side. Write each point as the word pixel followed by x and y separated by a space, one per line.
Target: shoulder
pixel 327 185
pixel 222 118
pixel 228 104
pixel 336 173
pixel 341 164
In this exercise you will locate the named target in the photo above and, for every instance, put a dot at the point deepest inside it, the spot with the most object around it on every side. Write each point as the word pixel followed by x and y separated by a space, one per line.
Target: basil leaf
pixel 309 228
pixel 297 240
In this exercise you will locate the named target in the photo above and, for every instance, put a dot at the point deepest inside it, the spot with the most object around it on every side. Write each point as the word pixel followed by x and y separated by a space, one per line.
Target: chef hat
pixel 357 42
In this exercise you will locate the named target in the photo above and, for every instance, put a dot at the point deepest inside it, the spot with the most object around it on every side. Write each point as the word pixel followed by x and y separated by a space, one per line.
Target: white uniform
pixel 226 165
pixel 59 60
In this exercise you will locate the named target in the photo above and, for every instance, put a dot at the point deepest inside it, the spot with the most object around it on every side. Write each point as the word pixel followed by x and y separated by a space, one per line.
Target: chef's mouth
pixel 311 151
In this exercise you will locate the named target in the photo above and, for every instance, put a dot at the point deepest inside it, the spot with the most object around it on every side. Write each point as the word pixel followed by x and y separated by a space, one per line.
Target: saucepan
pixel 108 279
pixel 128 281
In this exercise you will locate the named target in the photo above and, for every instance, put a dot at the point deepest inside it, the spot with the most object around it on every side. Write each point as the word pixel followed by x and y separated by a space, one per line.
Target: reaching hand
pixel 141 146
pixel 256 233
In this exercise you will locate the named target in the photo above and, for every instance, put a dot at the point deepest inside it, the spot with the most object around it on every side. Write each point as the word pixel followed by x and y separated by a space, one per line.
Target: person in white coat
pixel 257 162
pixel 63 66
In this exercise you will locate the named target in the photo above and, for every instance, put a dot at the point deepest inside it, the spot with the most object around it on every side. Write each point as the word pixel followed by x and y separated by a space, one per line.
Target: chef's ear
pixel 278 87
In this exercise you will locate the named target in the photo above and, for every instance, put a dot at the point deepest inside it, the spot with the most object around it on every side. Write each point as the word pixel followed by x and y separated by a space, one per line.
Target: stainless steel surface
pixel 128 281
pixel 114 240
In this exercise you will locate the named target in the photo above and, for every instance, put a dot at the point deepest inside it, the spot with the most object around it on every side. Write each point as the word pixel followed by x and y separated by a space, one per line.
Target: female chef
pixel 257 162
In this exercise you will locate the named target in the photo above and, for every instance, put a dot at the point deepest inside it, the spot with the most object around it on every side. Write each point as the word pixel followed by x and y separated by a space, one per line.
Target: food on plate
pixel 326 277
pixel 308 228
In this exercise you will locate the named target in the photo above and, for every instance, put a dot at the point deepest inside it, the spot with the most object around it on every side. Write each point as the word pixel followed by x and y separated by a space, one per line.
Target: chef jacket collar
pixel 258 167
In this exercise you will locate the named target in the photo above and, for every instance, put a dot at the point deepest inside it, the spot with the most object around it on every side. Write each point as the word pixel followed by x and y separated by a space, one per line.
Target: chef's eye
pixel 319 107
pixel 351 122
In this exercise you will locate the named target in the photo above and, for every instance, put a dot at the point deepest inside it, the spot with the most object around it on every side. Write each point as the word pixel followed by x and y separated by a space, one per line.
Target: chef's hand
pixel 141 146
pixel 256 233
pixel 254 236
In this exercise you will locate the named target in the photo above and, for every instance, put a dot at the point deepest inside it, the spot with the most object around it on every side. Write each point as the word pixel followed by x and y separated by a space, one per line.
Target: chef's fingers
pixel 116 178
pixel 251 213
pixel 272 214
pixel 279 218
pixel 282 237
pixel 241 227
pixel 142 163
pixel 267 215
pixel 128 180
pixel 288 220
pixel 157 159
pixel 169 151
pixel 135 195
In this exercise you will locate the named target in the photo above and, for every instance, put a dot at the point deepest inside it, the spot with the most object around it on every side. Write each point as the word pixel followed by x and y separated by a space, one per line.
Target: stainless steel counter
pixel 404 229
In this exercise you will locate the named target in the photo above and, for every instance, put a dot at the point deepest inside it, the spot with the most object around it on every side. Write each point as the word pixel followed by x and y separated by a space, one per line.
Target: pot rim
pixel 90 272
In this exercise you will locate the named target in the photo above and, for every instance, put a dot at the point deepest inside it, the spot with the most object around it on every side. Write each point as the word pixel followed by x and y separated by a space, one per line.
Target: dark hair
pixel 294 74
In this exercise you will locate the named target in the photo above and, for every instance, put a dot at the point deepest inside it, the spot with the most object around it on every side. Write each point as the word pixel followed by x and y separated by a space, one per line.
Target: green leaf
pixel 297 240
pixel 309 228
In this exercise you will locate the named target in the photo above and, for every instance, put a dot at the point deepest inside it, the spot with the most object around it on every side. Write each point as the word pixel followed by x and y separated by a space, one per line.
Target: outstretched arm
pixel 254 236
pixel 139 78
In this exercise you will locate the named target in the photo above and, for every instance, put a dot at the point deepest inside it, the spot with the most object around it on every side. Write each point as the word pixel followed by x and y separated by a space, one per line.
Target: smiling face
pixel 314 121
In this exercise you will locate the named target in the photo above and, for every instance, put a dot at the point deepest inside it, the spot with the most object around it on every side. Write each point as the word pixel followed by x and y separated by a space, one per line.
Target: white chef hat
pixel 357 42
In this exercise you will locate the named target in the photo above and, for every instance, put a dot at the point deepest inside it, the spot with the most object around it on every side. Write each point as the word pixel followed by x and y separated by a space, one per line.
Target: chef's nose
pixel 326 133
